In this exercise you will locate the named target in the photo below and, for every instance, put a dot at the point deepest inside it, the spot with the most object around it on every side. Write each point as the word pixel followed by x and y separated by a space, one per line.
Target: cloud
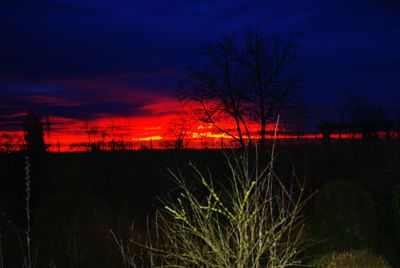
pixel 86 98
pixel 45 6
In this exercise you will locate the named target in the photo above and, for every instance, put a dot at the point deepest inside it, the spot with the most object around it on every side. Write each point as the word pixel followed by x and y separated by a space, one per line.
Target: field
pixel 78 197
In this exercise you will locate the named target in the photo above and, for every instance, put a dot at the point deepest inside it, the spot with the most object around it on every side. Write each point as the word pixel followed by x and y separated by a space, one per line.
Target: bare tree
pixel 249 80
pixel 354 107
pixel 217 92
pixel 267 65
pixel 358 114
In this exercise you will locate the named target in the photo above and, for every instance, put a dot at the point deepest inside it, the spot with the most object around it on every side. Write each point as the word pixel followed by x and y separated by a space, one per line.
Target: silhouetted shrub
pixel 351 259
pixel 343 217
pixel 73 231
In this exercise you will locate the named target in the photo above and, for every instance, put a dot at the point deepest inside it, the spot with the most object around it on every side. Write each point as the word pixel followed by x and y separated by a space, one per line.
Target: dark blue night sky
pixel 79 59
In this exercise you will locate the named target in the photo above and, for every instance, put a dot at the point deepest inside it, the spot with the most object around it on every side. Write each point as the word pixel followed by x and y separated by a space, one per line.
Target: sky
pixel 118 63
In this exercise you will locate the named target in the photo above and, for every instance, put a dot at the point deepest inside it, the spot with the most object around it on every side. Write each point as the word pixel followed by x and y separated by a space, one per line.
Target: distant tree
pixel 8 142
pixel 179 130
pixel 249 79
pixel 34 133
pixel 96 140
pixel 358 114
pixel 354 107
pixel 362 109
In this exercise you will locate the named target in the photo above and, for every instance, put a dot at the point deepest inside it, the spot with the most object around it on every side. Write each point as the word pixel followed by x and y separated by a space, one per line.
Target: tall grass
pixel 254 221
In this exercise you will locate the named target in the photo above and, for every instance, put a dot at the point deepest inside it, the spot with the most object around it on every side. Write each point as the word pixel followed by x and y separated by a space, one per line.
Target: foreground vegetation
pixel 254 222
pixel 77 198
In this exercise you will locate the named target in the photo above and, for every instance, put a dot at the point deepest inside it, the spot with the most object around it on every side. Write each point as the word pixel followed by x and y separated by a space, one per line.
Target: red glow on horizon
pixel 147 128
pixel 144 132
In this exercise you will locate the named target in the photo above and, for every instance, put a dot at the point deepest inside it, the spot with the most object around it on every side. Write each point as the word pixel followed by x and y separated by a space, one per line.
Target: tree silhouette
pixel 248 80
pixel 217 93
pixel 8 142
pixel 179 130
pixel 352 106
pixel 271 86
pixel 357 115
pixel 34 133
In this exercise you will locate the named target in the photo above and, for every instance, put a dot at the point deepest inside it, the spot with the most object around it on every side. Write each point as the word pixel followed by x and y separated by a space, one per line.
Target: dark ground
pixel 109 189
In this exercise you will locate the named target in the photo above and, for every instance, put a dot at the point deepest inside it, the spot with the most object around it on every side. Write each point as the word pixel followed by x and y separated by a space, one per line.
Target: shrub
pixel 351 259
pixel 343 217
pixel 254 222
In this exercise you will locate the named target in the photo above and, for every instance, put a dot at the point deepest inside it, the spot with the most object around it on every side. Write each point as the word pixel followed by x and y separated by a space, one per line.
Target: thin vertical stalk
pixel 28 257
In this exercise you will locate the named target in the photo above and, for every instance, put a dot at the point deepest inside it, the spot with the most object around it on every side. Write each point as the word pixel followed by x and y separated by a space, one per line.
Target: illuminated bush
pixel 253 222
